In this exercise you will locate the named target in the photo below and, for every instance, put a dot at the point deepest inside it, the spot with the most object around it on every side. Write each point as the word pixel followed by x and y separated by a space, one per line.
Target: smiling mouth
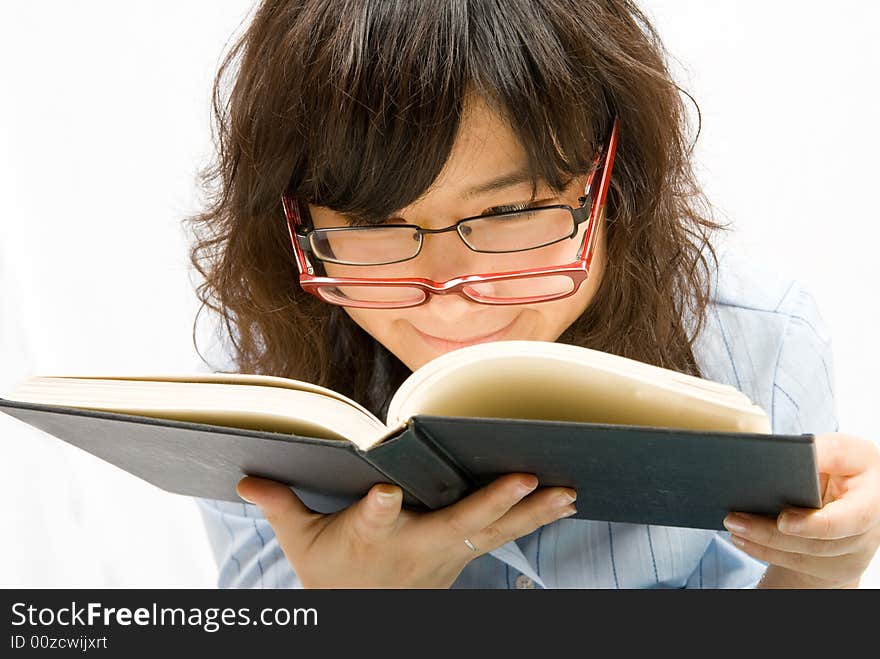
pixel 460 343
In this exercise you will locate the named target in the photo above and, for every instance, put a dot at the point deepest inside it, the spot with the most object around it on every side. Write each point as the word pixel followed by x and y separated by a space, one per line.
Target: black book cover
pixel 621 473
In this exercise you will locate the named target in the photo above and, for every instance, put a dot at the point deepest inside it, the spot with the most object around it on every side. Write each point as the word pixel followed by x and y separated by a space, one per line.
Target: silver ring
pixel 470 544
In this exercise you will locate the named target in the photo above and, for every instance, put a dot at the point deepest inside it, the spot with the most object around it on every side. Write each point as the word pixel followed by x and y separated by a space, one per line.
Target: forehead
pixel 485 146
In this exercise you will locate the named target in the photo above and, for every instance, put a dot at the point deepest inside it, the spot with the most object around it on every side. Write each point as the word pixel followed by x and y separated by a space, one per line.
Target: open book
pixel 571 415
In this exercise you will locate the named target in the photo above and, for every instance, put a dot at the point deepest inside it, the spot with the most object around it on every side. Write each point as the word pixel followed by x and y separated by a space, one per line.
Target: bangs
pixel 382 88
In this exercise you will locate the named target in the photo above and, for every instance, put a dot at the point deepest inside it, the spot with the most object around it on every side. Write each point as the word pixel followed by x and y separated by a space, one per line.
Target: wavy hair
pixel 333 99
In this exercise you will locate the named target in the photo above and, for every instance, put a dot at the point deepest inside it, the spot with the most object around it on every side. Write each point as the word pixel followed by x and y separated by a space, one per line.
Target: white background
pixel 104 122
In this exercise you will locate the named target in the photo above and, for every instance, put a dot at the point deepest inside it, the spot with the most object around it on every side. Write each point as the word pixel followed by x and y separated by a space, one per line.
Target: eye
pixel 520 206
pixel 509 208
pixel 354 221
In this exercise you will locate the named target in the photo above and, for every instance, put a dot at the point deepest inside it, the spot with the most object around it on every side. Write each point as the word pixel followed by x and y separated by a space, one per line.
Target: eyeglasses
pixel 527 230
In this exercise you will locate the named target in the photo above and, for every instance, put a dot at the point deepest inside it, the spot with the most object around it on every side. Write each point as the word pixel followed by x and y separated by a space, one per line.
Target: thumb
pixel 844 455
pixel 375 516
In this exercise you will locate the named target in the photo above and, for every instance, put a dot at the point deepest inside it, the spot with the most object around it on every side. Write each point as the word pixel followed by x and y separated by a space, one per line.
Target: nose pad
pixel 444 256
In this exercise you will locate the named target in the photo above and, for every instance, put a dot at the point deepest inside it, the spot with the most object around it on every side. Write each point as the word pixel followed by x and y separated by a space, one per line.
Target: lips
pixel 451 343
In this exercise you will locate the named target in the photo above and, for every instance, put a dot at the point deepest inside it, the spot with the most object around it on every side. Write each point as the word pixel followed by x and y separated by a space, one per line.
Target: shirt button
pixel 524 583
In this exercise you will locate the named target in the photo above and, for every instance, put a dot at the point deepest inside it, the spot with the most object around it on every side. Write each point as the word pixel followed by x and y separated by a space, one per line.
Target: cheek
pixel 556 317
pixel 394 333
pixel 551 319
pixel 375 322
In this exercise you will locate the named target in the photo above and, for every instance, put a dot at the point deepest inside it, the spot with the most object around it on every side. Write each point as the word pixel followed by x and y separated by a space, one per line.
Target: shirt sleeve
pixel 802 401
pixel 803 398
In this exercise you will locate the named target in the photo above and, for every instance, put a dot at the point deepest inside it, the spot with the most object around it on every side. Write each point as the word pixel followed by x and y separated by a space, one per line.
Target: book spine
pixel 421 467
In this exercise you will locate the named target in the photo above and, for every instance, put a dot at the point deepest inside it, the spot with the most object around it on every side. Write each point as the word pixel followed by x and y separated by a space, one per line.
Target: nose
pixel 444 256
pixel 451 310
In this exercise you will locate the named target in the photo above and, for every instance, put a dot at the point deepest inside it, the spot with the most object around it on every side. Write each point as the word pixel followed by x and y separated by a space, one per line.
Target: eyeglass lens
pixel 513 232
pixel 522 289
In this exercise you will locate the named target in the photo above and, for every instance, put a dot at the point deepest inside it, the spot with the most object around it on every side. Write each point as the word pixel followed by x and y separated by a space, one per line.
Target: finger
pixel 543 507
pixel 288 516
pixel 478 510
pixel 855 513
pixel 819 568
pixel 374 517
pixel 765 532
pixel 844 455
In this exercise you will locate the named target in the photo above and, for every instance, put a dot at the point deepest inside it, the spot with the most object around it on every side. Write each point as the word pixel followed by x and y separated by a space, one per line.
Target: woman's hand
pixel 377 544
pixel 829 547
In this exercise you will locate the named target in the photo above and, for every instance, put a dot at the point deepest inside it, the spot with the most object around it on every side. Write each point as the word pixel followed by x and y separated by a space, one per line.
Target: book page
pixel 551 381
pixel 216 402
pixel 228 378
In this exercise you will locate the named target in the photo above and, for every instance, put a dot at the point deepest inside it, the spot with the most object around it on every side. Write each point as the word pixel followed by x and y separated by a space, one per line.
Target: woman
pixel 425 142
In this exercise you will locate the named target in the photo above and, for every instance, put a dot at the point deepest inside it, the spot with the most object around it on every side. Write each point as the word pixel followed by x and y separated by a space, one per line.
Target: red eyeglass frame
pixel 596 190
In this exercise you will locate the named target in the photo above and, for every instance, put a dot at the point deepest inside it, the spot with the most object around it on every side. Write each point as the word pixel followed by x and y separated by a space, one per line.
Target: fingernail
pixel 385 498
pixel 789 523
pixel 238 492
pixel 565 498
pixel 736 524
pixel 524 488
pixel 246 499
pixel 568 511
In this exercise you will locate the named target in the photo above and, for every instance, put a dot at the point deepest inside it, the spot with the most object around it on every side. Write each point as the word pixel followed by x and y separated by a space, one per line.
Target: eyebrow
pixel 505 181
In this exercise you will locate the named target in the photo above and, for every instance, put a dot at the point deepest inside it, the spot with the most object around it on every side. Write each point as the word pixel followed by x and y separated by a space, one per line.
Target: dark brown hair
pixel 355 105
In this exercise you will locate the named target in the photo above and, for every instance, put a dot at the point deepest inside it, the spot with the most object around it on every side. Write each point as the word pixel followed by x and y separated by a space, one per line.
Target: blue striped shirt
pixel 764 336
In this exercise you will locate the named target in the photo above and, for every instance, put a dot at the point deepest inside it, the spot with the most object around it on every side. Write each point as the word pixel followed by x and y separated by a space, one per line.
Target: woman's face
pixel 485 150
